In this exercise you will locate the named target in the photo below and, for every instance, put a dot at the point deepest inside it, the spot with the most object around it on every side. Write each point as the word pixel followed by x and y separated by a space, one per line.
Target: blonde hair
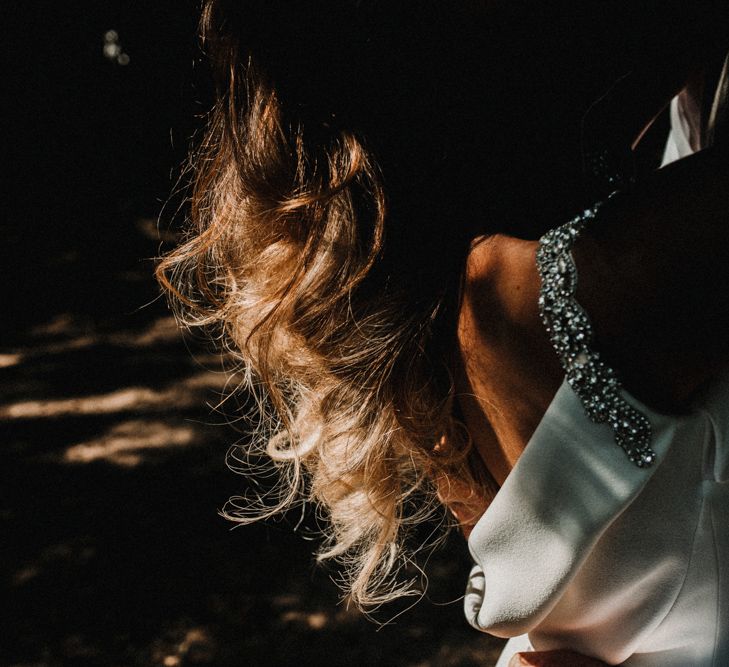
pixel 287 259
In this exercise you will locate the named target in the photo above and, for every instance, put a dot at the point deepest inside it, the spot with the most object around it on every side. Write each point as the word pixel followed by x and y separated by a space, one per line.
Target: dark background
pixel 113 468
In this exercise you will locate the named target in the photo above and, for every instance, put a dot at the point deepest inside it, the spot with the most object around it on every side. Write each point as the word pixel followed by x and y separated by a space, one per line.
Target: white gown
pixel 581 549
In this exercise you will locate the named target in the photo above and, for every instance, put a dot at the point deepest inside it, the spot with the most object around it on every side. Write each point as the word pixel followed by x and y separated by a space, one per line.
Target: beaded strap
pixel 570 331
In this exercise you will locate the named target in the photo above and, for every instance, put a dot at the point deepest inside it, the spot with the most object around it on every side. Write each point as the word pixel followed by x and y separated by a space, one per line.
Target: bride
pixel 392 206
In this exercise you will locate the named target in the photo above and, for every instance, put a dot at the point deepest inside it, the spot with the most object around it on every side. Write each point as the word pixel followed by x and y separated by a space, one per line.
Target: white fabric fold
pixel 582 549
pixel 566 488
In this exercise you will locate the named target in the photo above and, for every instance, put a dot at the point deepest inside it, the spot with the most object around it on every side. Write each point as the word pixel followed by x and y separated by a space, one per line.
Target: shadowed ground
pixel 113 471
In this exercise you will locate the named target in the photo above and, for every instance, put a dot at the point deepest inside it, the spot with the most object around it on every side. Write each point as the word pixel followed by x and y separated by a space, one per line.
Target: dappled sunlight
pixel 163 330
pixel 292 612
pixel 193 646
pixel 116 497
pixel 110 503
pixel 186 393
pixel 313 620
pixel 60 325
pixel 8 360
pixel 50 556
pixel 81 342
pixel 125 444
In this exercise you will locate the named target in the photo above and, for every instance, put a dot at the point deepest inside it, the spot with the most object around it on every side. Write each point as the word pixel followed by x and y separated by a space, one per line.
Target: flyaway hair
pixel 321 280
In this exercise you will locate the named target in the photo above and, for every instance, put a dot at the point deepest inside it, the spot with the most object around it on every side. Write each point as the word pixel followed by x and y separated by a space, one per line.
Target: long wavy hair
pixel 325 247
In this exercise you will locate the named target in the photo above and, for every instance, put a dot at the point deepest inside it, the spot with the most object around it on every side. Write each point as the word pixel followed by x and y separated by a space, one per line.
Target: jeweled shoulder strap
pixel 569 328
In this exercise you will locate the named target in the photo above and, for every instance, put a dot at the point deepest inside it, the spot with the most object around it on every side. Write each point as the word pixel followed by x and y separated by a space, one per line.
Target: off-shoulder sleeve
pixel 569 485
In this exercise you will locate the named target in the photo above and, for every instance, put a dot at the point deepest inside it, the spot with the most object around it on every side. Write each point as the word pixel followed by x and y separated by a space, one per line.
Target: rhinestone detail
pixel 569 328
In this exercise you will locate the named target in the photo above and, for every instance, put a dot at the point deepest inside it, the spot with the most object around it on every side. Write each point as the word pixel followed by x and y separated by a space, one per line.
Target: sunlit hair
pixel 289 258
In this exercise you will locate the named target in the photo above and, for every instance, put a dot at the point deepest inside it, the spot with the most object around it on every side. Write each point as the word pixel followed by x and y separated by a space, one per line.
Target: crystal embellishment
pixel 569 328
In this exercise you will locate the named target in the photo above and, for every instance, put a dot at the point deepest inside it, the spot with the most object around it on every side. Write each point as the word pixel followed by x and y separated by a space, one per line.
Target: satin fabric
pixel 581 549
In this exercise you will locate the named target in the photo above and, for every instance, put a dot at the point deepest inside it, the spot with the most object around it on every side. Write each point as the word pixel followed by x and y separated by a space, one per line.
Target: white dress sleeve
pixel 567 488
pixel 582 550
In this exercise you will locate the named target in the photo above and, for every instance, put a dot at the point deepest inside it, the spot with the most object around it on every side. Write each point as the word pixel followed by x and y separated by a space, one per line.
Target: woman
pixel 617 556
pixel 363 196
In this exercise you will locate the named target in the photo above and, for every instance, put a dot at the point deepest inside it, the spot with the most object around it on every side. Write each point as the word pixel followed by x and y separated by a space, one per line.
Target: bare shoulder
pixel 509 371
pixel 654 279
pixel 500 316
pixel 501 274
